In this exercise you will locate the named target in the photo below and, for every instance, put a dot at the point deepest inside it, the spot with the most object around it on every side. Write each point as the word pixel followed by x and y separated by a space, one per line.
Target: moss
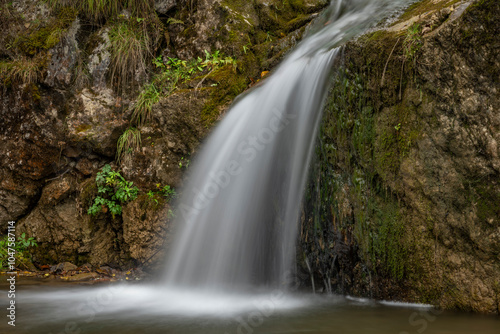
pixel 297 22
pixel 83 128
pixel 229 85
pixel 46 36
pixel 425 6
pixel 87 193
pixel 387 245
pixel 148 203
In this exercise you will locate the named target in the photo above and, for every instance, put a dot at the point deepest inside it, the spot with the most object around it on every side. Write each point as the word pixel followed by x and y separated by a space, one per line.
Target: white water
pixel 238 216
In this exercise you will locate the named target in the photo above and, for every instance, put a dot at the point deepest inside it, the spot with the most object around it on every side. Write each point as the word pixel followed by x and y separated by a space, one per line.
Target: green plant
pixel 113 191
pixel 412 42
pixel 130 140
pixel 151 196
pixel 23 70
pixel 171 20
pixel 268 37
pixel 216 59
pixel 168 192
pixel 129 47
pixel 144 104
pixel 186 164
pixel 95 9
pixel 21 247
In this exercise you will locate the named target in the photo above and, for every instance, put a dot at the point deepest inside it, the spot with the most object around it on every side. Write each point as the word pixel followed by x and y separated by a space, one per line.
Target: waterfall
pixel 238 215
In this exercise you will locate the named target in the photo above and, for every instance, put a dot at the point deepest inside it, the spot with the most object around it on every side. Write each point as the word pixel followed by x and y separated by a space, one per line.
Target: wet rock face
pixel 410 182
pixel 60 130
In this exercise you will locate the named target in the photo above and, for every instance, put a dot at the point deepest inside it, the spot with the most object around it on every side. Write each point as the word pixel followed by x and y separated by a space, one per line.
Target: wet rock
pixel 63 267
pixel 413 206
pixel 82 277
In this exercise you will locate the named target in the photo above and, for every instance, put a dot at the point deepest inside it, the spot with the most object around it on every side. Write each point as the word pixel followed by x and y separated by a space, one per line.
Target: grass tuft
pixel 129 50
pixel 143 107
pixel 23 70
pixel 129 141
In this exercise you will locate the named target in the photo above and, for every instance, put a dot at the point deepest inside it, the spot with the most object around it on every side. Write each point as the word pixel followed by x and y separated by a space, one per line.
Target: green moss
pixel 229 85
pixel 297 22
pixel 83 128
pixel 425 6
pixel 87 193
pixel 46 36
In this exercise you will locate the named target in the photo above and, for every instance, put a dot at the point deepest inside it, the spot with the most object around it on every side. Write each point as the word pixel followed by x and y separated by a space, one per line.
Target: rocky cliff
pixel 404 197
pixel 136 86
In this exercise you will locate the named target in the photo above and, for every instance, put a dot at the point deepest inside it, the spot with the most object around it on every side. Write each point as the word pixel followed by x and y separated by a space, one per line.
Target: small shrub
pixel 113 191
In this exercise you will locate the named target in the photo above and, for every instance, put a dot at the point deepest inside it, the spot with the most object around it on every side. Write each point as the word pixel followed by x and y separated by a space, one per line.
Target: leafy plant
pixel 113 191
pixel 216 59
pixel 186 163
pixel 412 42
pixel 168 192
pixel 130 140
pixel 21 246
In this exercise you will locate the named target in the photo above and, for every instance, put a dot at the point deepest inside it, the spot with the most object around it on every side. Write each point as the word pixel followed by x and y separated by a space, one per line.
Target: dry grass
pixel 23 70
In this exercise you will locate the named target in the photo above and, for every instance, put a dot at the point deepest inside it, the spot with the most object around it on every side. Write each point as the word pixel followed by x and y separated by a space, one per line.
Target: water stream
pixel 238 216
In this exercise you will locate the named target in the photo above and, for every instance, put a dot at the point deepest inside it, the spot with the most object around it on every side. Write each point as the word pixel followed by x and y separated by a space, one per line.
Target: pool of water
pixel 62 308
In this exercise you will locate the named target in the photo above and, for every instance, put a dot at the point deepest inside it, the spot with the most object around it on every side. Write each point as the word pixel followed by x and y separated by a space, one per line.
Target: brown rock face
pixel 409 178
pixel 62 116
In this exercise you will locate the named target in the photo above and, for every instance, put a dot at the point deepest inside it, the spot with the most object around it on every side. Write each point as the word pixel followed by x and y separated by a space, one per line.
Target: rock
pixel 145 229
pixel 82 277
pixel 16 196
pixel 57 191
pixel 85 166
pixel 99 59
pixel 163 6
pixel 176 132
pixel 94 119
pixel 63 58
pixel 63 267
pixel 409 183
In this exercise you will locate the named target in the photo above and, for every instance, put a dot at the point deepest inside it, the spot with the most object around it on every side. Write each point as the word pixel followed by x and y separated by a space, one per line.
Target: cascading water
pixel 238 215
